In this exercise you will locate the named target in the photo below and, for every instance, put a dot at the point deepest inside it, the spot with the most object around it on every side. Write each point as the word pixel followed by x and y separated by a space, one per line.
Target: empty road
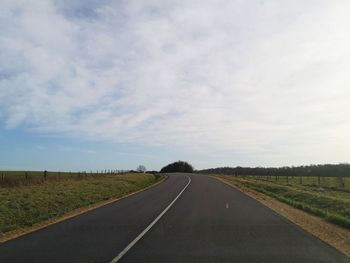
pixel 207 221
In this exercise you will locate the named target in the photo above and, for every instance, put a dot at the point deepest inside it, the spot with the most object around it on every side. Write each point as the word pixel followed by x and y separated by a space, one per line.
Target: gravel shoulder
pixel 334 235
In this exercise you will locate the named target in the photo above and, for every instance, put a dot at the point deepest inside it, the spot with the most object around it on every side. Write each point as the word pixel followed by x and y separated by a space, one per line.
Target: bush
pixel 177 167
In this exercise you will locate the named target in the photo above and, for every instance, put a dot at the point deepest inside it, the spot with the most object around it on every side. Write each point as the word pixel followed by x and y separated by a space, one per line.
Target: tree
pixel 177 167
pixel 141 169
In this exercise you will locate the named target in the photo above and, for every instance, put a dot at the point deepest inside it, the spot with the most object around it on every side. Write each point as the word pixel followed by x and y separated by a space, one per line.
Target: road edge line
pixel 132 243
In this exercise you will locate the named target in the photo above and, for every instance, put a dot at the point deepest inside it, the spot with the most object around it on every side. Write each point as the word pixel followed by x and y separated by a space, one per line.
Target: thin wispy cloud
pixel 137 154
pixel 78 150
pixel 266 79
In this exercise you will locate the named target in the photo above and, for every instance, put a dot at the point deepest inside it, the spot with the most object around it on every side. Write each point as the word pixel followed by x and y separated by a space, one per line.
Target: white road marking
pixel 128 247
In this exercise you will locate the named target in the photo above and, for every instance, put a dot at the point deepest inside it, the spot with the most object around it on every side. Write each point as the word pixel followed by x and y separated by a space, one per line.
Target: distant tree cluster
pixel 336 170
pixel 177 167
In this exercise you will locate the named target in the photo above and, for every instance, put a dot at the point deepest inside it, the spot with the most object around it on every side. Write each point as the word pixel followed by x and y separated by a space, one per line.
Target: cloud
pixel 78 150
pixel 261 78
pixel 148 156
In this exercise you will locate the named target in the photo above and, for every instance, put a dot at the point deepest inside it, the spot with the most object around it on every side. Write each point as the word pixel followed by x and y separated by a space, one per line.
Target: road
pixel 209 222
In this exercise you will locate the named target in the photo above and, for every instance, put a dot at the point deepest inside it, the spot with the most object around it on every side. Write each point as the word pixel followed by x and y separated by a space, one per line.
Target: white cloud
pixel 78 150
pixel 267 79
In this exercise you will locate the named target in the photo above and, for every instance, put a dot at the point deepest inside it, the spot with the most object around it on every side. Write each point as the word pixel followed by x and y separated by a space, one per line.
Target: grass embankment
pixel 24 206
pixel 332 205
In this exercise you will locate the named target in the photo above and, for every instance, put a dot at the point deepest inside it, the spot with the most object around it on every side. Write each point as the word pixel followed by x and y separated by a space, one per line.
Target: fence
pixel 317 181
pixel 17 178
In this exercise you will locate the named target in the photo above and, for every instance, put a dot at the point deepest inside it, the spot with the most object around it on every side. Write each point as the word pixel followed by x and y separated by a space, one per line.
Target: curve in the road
pixel 209 222
pixel 132 243
pixel 213 222
pixel 98 235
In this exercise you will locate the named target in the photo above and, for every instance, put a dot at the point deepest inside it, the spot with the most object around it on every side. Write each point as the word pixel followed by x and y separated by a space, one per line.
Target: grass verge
pixel 333 206
pixel 334 235
pixel 24 206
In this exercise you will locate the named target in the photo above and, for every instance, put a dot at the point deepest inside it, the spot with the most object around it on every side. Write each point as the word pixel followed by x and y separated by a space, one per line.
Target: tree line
pixel 329 170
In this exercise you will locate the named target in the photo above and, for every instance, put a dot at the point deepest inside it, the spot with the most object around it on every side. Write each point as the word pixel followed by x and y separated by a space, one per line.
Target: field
pixel 335 183
pixel 18 178
pixel 324 197
pixel 25 202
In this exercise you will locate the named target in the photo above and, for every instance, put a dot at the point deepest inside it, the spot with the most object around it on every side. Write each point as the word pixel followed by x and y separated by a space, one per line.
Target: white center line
pixel 132 243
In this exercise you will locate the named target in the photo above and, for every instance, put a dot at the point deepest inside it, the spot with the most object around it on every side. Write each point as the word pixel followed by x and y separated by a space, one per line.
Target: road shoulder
pixel 333 235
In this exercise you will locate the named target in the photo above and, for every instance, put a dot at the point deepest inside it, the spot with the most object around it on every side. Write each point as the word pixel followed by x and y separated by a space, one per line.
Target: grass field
pixel 335 183
pixel 18 178
pixel 25 205
pixel 327 201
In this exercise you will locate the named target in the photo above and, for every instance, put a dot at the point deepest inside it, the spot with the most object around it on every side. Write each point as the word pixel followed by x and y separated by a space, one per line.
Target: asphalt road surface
pixel 208 222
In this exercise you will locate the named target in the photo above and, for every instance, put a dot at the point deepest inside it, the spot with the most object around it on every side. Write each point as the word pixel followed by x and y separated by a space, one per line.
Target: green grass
pixel 18 178
pixel 324 182
pixel 329 203
pixel 25 205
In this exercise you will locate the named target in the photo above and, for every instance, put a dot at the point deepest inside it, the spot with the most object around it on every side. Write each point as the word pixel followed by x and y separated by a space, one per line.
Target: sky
pixel 104 84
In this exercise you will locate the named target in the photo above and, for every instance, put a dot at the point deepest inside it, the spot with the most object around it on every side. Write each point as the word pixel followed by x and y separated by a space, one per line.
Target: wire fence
pixel 337 183
pixel 18 178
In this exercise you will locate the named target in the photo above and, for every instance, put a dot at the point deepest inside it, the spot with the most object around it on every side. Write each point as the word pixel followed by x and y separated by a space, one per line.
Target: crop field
pixel 326 197
pixel 27 201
